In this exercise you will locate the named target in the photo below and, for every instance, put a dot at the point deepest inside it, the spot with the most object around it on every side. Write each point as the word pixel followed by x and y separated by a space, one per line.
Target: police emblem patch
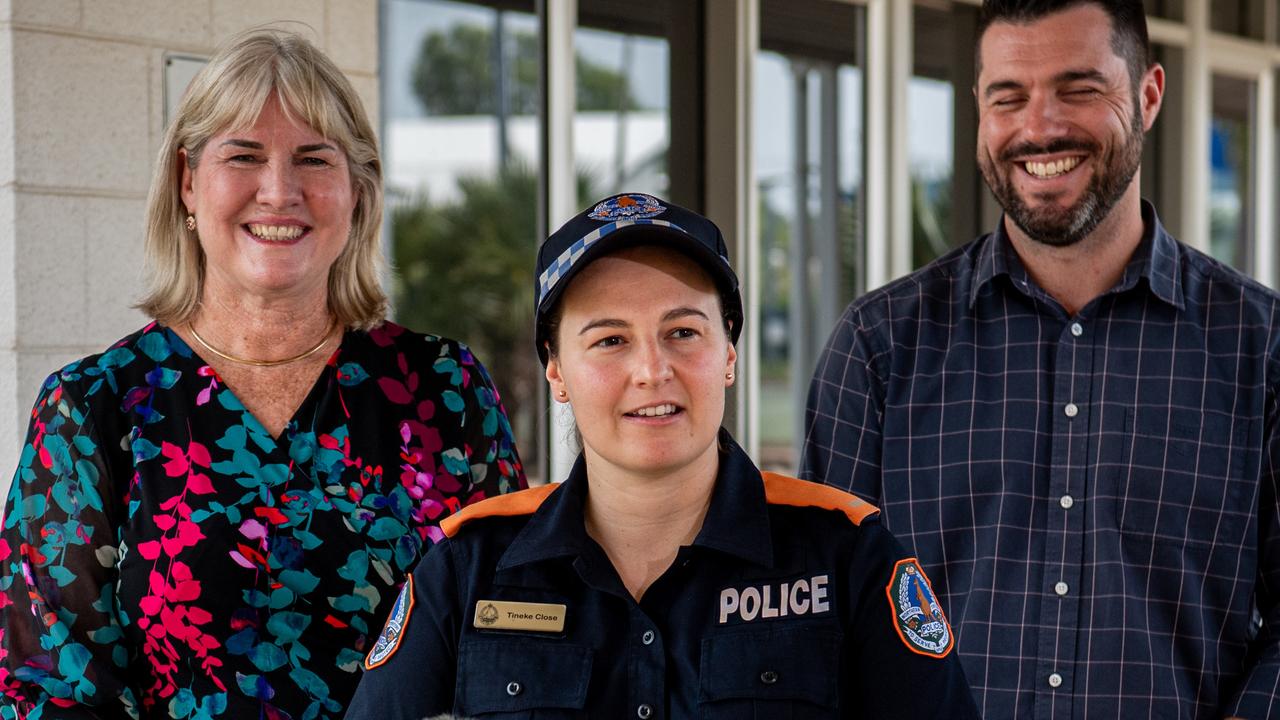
pixel 917 616
pixel 393 631
pixel 634 206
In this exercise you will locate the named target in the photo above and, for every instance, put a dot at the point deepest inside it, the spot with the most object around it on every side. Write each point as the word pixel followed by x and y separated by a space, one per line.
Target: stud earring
pixel 562 394
pixel 729 376
pixel 191 223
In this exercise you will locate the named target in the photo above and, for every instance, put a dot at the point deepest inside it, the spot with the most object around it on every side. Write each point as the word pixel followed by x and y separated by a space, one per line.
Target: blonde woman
pixel 211 517
pixel 666 577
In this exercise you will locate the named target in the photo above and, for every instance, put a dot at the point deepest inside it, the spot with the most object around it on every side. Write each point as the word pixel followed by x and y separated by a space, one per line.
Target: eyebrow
pixel 1066 76
pixel 250 144
pixel 673 314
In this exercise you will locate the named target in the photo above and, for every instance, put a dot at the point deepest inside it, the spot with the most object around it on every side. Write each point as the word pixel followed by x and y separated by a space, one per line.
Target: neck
pixel 641 522
pixel 1076 274
pixel 252 326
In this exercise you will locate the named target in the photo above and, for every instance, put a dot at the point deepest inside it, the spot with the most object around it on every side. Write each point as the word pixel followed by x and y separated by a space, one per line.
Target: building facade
pixel 832 141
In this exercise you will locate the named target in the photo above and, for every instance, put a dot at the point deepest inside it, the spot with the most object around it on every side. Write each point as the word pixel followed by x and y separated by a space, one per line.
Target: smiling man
pixel 1072 421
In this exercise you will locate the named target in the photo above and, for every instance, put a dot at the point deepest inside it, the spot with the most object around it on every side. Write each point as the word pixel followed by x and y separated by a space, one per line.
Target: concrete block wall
pixel 81 112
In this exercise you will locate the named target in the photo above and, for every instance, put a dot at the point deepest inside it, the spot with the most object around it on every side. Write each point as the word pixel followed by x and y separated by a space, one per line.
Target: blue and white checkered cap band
pixel 557 269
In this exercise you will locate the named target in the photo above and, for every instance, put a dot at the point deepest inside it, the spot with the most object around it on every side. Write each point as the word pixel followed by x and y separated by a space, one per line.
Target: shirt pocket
pixel 516 679
pixel 1182 481
pixel 771 674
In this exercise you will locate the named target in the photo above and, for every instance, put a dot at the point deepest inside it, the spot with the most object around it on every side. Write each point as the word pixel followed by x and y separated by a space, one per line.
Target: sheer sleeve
pixel 62 653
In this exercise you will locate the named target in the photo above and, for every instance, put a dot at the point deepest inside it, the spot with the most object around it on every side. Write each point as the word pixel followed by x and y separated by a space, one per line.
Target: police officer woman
pixel 666 577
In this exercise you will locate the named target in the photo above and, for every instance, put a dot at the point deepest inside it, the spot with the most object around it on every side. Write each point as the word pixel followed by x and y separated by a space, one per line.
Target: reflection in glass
pixel 808 147
pixel 622 128
pixel 1245 18
pixel 941 132
pixel 930 162
pixel 460 89
pixel 1167 9
pixel 1231 171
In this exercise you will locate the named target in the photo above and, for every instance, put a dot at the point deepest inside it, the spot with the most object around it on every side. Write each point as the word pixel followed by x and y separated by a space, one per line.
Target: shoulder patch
pixel 784 490
pixel 521 502
pixel 389 641
pixel 917 616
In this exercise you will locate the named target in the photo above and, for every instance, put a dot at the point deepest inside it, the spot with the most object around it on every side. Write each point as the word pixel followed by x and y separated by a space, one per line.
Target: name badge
pixel 533 617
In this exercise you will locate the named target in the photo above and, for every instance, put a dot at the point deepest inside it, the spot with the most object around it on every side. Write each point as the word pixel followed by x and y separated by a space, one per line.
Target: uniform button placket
pixel 647 637
pixel 514 688
pixel 644 711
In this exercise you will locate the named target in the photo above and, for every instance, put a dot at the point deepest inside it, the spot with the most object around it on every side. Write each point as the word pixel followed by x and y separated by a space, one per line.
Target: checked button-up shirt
pixel 1094 496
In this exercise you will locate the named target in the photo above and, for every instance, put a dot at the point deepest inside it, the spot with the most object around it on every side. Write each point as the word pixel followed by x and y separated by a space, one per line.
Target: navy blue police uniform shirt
pixel 793 601
pixel 1094 496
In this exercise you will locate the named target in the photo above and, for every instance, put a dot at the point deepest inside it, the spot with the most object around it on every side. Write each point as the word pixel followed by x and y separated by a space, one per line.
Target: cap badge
pixel 633 206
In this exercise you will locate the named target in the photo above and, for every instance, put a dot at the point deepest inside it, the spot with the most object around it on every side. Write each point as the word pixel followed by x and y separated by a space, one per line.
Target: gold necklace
pixel 262 363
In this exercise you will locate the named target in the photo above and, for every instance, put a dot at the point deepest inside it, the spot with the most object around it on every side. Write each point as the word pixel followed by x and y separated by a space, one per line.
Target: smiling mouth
pixel 1051 169
pixel 275 233
pixel 655 411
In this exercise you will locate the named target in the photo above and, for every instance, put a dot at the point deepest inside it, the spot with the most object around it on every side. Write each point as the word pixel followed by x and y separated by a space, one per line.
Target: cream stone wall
pixel 81 108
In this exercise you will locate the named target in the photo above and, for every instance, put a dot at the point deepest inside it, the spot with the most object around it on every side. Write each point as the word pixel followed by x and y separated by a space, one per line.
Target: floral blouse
pixel 163 556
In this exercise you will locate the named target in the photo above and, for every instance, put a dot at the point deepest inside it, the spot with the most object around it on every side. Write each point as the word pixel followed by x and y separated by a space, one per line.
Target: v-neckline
pixel 317 386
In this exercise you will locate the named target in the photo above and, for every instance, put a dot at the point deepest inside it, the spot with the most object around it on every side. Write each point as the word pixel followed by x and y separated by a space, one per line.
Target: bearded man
pixel 1073 420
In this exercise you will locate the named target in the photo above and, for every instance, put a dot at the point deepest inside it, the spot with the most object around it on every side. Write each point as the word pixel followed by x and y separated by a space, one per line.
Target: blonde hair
pixel 229 93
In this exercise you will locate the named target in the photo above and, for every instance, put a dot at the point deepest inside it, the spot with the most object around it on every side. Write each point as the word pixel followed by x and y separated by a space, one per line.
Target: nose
pixel 1044 119
pixel 653 368
pixel 279 187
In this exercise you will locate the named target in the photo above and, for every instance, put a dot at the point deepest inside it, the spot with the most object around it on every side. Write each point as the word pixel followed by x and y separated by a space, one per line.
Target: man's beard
pixel 1063 227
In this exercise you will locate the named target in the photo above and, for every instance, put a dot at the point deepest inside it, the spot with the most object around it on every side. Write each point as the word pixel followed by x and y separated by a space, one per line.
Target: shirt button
pixel 645 711
pixel 647 637
pixel 1076 330
pixel 1071 410
pixel 1060 588
pixel 1066 501
pixel 1055 680
pixel 768 677
pixel 514 688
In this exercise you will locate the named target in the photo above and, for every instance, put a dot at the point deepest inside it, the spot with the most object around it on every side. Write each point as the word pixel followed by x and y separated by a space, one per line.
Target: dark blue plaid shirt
pixel 1094 497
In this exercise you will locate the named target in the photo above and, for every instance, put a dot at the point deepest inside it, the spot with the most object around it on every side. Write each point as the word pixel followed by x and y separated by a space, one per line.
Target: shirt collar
pixel 737 520
pixel 1156 258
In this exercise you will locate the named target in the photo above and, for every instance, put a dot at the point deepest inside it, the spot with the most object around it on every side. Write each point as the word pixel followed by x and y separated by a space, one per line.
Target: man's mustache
pixel 1057 146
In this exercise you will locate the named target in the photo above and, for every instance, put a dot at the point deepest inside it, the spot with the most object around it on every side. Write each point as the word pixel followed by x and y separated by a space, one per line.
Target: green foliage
pixel 465 271
pixel 455 75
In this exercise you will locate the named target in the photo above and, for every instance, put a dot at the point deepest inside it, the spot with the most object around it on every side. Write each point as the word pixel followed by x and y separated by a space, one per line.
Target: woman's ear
pixel 184 180
pixel 558 391
pixel 731 359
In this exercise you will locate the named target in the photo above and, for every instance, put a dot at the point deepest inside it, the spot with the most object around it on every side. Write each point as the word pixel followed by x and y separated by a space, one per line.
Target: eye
pixel 608 342
pixel 685 333
pixel 1082 93
pixel 243 158
pixel 314 161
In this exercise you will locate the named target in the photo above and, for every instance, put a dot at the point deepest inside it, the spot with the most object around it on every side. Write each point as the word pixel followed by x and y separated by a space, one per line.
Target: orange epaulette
pixel 521 502
pixel 783 490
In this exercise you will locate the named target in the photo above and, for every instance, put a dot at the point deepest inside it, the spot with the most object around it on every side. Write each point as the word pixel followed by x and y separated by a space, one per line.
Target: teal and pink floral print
pixel 163 556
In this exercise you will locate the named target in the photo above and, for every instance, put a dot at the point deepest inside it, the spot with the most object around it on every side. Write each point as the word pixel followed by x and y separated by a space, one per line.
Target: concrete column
pixel 81 118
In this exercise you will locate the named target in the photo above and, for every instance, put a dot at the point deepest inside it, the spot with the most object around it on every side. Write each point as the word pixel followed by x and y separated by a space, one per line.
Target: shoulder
pixel 1207 276
pixel 395 338
pixel 109 370
pixel 782 490
pixel 516 504
pixel 936 293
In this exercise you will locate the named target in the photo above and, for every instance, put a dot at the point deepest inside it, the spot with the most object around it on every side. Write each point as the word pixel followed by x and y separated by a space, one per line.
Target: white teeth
pixel 1052 169
pixel 656 411
pixel 275 232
